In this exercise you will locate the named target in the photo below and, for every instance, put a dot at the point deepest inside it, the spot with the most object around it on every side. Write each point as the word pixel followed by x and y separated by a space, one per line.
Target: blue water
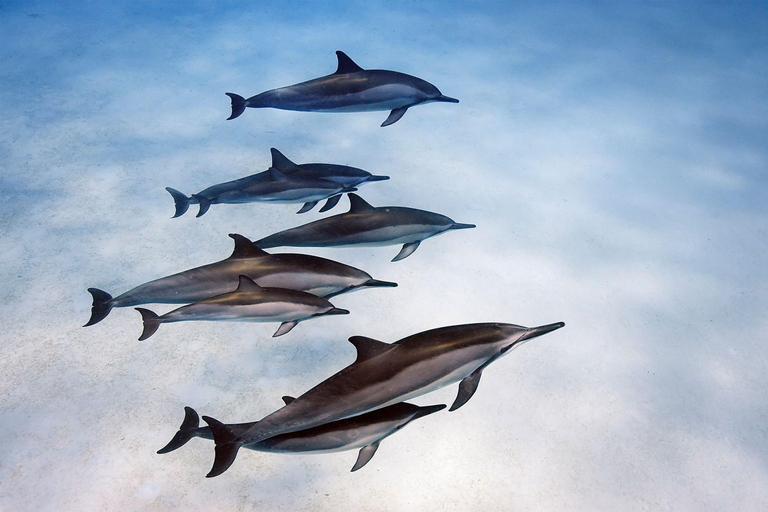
pixel 613 157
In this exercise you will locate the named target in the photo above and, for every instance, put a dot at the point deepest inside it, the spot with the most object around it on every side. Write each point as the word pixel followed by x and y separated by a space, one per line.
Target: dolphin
pixel 350 89
pixel 318 276
pixel 364 432
pixel 278 189
pixel 248 303
pixel 384 374
pixel 365 225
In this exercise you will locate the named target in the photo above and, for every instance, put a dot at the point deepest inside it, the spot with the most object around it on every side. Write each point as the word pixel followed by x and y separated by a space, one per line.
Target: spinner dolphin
pixel 364 432
pixel 318 276
pixel 365 225
pixel 350 89
pixel 384 374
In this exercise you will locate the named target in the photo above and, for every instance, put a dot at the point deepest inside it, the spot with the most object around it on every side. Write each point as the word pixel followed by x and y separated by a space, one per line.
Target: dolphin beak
pixel 377 283
pixel 446 99
pixel 429 409
pixel 378 178
pixel 337 311
pixel 457 225
pixel 535 332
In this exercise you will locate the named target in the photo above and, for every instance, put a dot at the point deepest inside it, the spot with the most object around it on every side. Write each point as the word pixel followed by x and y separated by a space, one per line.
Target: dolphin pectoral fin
pixel 238 105
pixel 394 116
pixel 467 388
pixel 102 305
pixel 151 323
pixel 226 446
pixel 307 206
pixel 406 251
pixel 205 203
pixel 366 453
pixel 180 201
pixel 284 328
pixel 330 203
pixel 185 433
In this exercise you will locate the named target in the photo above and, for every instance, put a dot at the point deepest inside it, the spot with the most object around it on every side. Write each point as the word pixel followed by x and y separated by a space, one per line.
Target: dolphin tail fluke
pixel 102 305
pixel 394 116
pixel 307 206
pixel 205 203
pixel 446 99
pixel 284 328
pixel 151 323
pixel 185 433
pixel 366 454
pixel 406 251
pixel 226 446
pixel 458 225
pixel 180 200
pixel 238 105
pixel 381 284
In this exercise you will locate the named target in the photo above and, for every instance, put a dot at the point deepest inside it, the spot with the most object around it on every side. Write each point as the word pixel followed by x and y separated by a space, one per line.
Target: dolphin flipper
pixel 394 116
pixel 238 105
pixel 467 388
pixel 406 251
pixel 330 203
pixel 185 433
pixel 284 328
pixel 102 305
pixel 205 203
pixel 366 453
pixel 180 201
pixel 307 206
pixel 226 446
pixel 151 323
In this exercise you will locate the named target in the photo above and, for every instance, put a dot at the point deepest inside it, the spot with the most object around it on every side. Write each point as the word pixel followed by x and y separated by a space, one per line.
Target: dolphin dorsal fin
pixel 281 162
pixel 276 175
pixel 244 248
pixel 346 65
pixel 288 399
pixel 368 347
pixel 357 204
pixel 247 284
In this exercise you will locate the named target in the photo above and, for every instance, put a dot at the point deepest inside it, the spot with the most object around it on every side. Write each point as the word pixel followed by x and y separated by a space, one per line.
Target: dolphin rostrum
pixel 384 374
pixel 284 182
pixel 365 432
pixel 248 303
pixel 350 89
pixel 318 276
pixel 365 225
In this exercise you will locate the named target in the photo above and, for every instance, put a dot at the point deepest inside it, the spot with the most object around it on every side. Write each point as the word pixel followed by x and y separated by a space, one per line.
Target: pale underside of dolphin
pixel 350 89
pixel 283 182
pixel 366 225
pixel 384 374
pixel 364 432
pixel 248 303
pixel 318 276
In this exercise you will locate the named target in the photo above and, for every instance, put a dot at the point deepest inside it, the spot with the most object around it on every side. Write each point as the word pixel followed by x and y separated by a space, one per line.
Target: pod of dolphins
pixel 365 402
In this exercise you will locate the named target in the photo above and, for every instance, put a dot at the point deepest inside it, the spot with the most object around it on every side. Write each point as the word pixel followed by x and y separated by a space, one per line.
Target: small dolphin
pixel 248 303
pixel 365 432
pixel 365 225
pixel 284 182
pixel 384 374
pixel 318 276
pixel 350 89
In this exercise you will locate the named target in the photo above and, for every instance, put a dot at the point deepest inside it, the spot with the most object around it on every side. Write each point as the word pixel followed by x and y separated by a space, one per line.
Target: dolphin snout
pixel 535 332
pixel 446 99
pixel 429 409
pixel 458 225
pixel 378 178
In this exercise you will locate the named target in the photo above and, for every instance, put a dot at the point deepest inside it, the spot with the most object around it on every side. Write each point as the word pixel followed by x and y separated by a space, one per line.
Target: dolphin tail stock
pixel 205 203
pixel 187 431
pixel 227 446
pixel 102 305
pixel 180 200
pixel 151 323
pixel 238 105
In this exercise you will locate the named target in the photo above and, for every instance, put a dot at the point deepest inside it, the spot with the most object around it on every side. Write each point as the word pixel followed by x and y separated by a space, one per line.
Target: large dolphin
pixel 365 225
pixel 318 276
pixel 365 432
pixel 350 89
pixel 248 303
pixel 384 374
pixel 284 182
